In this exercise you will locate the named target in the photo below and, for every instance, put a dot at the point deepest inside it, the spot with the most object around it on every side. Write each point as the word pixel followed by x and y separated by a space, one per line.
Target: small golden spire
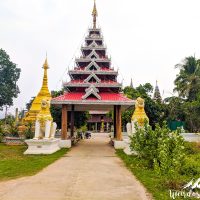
pixel 45 65
pixel 45 78
pixel 94 14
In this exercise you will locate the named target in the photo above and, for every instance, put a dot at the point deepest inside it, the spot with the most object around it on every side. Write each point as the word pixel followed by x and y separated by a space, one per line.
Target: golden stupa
pixel 43 94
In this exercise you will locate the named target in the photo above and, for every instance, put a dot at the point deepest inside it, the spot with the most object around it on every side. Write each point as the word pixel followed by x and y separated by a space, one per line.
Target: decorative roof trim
pixel 91 90
pixel 93 63
pixel 92 75
pixel 93 44
pixel 93 53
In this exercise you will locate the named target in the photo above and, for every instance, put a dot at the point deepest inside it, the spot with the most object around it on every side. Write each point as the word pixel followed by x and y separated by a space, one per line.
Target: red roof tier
pixel 105 96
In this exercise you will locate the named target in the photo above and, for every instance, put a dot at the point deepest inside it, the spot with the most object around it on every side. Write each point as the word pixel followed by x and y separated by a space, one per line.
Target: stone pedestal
pixel 127 149
pixel 119 144
pixel 65 143
pixel 43 146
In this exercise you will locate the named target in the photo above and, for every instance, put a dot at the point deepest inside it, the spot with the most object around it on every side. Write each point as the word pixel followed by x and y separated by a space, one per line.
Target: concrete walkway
pixel 90 171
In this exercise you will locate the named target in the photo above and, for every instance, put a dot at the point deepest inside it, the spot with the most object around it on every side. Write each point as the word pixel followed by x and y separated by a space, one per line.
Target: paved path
pixel 90 171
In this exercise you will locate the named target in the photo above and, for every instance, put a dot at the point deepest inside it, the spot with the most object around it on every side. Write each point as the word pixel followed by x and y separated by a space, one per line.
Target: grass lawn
pixel 158 185
pixel 14 164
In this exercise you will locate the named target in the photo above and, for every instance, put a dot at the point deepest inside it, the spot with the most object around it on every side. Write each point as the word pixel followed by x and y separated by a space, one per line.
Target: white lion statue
pixel 45 128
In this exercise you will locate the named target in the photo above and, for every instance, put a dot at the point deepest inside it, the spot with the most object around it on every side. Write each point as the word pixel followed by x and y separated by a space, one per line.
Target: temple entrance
pixel 117 109
pixel 100 121
pixel 93 86
pixel 96 127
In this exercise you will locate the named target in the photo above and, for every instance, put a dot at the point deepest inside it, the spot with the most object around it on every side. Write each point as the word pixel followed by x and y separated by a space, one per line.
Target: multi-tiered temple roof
pixel 93 79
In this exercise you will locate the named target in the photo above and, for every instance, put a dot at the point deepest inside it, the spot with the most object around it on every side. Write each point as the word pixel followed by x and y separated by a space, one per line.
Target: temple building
pixel 156 96
pixel 93 84
pixel 99 121
pixel 44 93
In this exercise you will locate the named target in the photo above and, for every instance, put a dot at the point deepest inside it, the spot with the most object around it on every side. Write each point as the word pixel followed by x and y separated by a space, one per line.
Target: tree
pixel 80 118
pixel 192 113
pixel 9 75
pixel 56 111
pixel 28 105
pixel 187 82
pixel 174 108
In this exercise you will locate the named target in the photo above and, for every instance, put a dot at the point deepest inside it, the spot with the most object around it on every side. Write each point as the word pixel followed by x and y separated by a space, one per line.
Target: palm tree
pixel 187 82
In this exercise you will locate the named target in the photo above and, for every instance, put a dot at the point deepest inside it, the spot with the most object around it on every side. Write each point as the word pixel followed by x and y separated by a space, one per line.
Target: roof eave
pixel 96 102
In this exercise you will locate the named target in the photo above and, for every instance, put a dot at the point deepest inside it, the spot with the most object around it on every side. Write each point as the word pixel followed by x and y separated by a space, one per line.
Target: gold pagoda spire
pixel 44 90
pixel 43 94
pixel 94 14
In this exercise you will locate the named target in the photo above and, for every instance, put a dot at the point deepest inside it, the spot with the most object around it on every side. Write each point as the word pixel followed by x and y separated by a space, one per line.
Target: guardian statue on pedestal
pixel 43 141
pixel 45 128
pixel 139 118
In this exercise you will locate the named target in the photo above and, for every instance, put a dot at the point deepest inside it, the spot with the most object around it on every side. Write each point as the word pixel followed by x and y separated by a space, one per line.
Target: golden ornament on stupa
pixel 139 115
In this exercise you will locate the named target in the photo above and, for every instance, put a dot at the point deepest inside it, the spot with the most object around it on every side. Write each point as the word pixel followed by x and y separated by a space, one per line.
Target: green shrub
pixel 191 148
pixel 191 166
pixel 13 130
pixel 1 132
pixel 28 133
pixel 84 128
pixel 1 136
pixel 161 148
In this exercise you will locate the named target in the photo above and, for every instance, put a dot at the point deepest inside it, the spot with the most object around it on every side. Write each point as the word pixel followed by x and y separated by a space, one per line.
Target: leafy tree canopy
pixel 174 110
pixel 28 105
pixel 187 82
pixel 9 75
pixel 186 107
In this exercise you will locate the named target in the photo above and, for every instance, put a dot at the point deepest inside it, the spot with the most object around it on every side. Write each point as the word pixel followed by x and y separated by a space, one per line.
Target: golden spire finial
pixel 45 65
pixel 45 79
pixel 94 14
